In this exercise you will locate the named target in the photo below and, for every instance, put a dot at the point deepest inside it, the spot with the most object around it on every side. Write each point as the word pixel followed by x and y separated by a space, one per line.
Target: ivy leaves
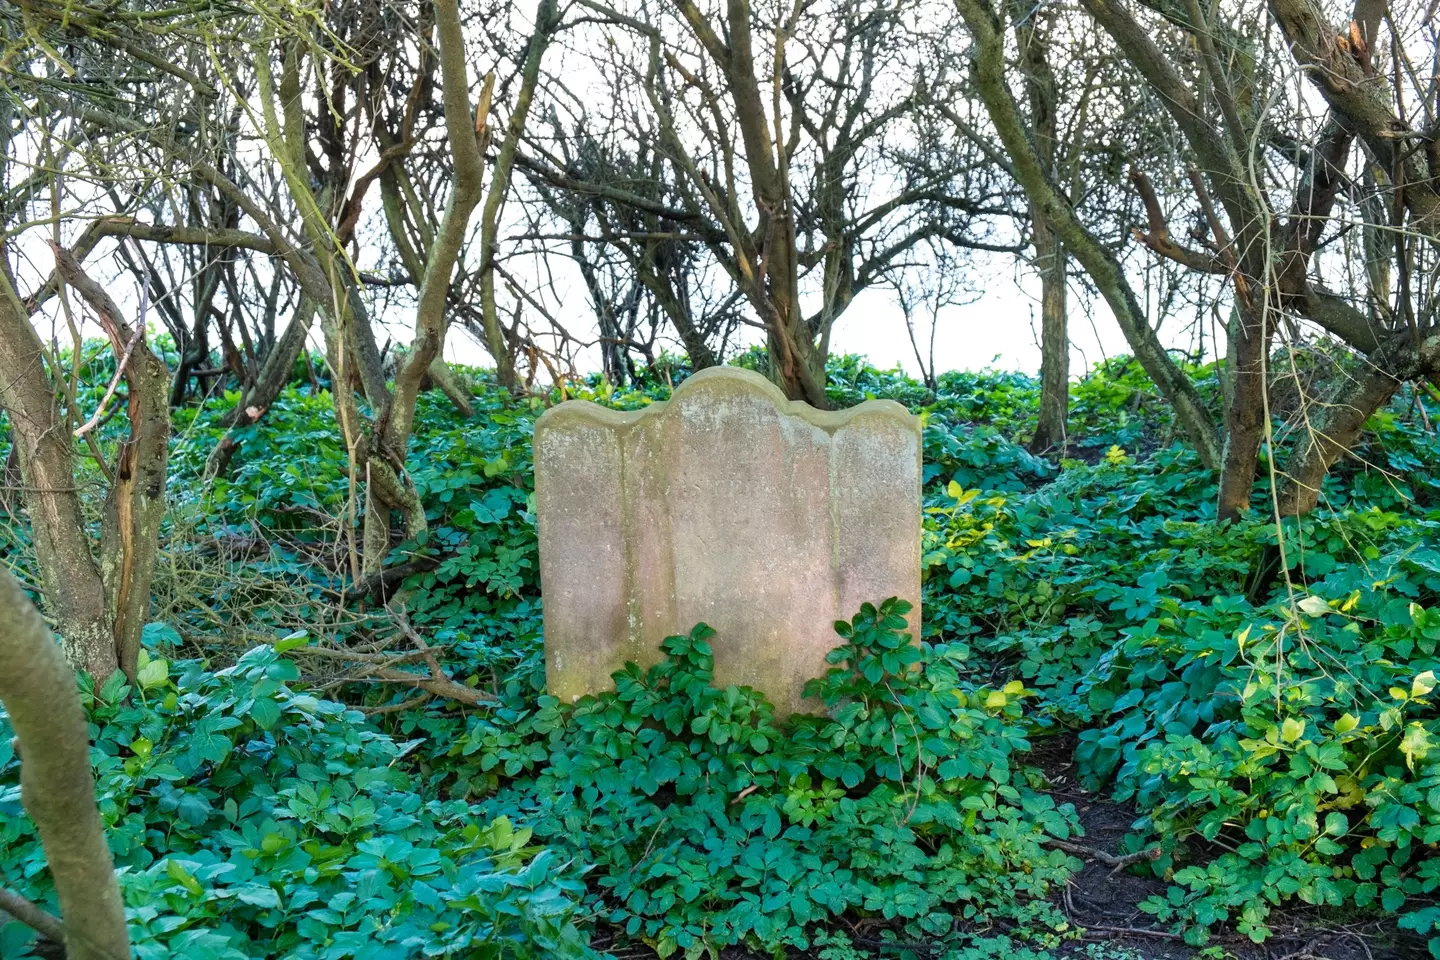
pixel 709 823
pixel 253 819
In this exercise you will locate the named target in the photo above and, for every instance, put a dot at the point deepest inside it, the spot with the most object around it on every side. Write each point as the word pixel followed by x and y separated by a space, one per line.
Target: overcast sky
pixel 1001 329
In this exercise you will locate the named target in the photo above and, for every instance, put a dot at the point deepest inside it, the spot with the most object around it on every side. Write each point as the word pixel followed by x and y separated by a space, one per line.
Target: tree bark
pixel 1246 375
pixel 135 503
pixel 1330 435
pixel 1033 42
pixel 274 375
pixel 10 479
pixel 456 389
pixel 56 783
pixel 73 589
pixel 797 365
pixel 1054 343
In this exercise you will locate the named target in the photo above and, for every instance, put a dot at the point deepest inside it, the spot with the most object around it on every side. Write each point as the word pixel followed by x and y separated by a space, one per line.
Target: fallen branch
pixel 380 666
pixel 382 583
pixel 440 682
pixel 1128 932
pixel 400 707
pixel 1109 859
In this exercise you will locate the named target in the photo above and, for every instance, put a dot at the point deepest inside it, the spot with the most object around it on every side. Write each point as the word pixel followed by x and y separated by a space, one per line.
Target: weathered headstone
pixel 729 504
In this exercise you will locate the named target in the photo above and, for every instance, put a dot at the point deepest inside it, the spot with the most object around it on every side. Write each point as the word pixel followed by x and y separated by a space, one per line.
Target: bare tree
pixel 1273 190
pixel 1099 261
pixel 640 267
pixel 332 118
pixel 789 139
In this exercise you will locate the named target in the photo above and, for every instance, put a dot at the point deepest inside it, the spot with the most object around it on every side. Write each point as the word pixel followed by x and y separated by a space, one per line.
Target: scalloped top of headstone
pixel 728 504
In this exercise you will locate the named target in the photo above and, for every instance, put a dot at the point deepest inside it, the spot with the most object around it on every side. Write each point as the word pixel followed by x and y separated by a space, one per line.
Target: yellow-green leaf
pixel 1292 729
pixel 1423 684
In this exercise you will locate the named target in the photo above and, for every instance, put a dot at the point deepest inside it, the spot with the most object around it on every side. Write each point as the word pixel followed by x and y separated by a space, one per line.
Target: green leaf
pixel 154 673
pixel 205 744
pixel 177 872
pixel 292 641
pixel 265 712
pixel 160 634
pixel 258 895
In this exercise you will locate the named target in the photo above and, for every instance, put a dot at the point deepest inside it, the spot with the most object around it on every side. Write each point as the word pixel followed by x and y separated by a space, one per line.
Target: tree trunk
pixel 274 375
pixel 499 190
pixel 1332 432
pixel 700 353
pixel 796 365
pixel 56 783
pixel 454 388
pixel 69 578
pixel 1054 342
pixel 10 479
pixel 1033 40
pixel 135 503
pixel 1249 346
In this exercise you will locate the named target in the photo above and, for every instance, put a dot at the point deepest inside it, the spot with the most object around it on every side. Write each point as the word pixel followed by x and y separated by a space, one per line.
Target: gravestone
pixel 729 504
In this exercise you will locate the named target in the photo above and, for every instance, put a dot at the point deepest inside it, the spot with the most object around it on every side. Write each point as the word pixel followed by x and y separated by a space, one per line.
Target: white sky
pixel 1001 329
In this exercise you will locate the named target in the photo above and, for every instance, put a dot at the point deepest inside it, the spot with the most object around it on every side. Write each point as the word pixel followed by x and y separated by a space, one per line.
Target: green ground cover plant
pixel 1262 693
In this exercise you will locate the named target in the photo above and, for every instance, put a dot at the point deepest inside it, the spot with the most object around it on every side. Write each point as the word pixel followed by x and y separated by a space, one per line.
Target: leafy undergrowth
pixel 1261 696
pixel 252 819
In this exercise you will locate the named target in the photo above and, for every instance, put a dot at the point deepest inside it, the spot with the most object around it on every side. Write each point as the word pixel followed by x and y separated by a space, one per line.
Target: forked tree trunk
pixel 56 783
pixel 797 366
pixel 74 592
pixel 454 388
pixel 135 503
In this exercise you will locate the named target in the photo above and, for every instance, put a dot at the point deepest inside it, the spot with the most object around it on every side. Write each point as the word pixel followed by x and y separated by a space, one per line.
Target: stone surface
pixel 763 517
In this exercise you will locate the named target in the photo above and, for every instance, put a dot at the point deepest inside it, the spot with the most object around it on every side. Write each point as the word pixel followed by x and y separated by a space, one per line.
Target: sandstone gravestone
pixel 729 504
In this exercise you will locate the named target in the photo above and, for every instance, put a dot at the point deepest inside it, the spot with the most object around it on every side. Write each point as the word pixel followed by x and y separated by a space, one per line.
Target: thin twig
pixel 110 390
pixel 397 707
pixel 1130 932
